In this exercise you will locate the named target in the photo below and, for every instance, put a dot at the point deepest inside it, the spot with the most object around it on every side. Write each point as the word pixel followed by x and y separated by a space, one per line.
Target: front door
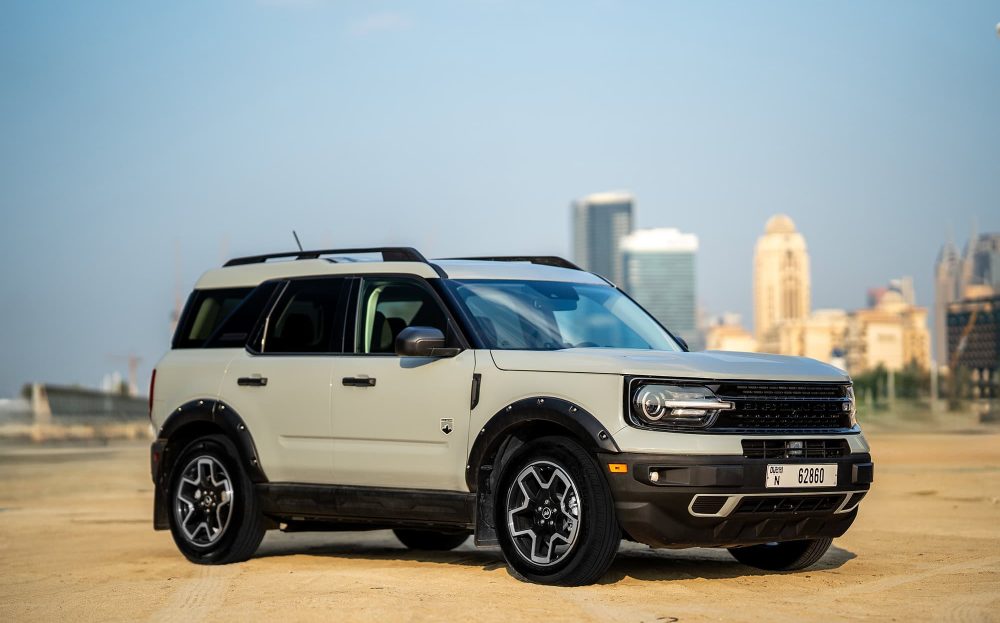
pixel 400 421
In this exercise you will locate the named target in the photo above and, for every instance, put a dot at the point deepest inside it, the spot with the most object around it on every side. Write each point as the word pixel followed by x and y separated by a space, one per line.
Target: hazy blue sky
pixel 467 127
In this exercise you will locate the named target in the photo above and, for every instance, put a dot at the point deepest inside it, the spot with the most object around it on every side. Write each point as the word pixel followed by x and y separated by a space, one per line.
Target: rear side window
pixel 308 318
pixel 235 330
pixel 204 313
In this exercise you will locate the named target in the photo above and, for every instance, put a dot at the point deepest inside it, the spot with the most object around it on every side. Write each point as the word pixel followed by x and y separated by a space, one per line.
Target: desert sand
pixel 76 543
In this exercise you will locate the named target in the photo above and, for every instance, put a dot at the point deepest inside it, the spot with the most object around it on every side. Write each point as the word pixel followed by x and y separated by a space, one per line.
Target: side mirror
pixel 423 342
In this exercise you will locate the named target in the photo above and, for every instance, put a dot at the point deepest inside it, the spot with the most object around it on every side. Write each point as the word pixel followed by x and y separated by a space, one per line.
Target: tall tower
pixel 780 277
pixel 600 222
pixel 947 289
pixel 660 274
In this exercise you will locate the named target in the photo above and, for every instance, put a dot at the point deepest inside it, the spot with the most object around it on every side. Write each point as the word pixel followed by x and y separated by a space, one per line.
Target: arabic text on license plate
pixel 795 476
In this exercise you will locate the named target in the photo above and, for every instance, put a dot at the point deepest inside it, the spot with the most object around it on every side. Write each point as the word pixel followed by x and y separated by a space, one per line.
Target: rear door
pixel 400 421
pixel 280 384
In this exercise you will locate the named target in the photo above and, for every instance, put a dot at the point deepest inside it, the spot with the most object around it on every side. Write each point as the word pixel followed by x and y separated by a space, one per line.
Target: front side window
pixel 389 305
pixel 307 318
pixel 549 315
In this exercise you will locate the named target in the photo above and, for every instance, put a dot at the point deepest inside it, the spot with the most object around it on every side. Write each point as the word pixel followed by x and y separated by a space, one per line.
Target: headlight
pixel 851 406
pixel 676 406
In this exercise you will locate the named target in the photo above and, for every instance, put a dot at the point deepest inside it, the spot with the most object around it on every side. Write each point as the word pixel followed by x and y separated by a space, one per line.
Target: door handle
pixel 359 381
pixel 252 381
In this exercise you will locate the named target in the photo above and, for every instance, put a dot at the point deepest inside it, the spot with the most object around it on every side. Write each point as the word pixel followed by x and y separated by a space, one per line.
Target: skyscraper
pixel 600 221
pixel 660 274
pixel 974 274
pixel 947 279
pixel 780 279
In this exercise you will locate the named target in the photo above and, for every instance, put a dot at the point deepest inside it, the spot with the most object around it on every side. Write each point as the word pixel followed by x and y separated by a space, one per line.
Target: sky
pixel 136 133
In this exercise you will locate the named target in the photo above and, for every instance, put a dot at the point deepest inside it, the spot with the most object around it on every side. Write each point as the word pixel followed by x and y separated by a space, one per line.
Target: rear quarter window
pixel 204 314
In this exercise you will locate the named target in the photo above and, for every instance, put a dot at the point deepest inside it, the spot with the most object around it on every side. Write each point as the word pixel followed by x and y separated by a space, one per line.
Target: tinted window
pixel 306 319
pixel 235 330
pixel 204 313
pixel 389 305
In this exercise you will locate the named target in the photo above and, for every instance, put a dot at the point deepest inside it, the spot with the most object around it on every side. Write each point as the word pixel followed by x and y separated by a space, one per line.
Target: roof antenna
pixel 297 240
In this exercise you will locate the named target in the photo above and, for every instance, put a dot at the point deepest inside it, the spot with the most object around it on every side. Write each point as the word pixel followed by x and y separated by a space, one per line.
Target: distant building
pixel 821 336
pixel 981 264
pixel 892 334
pixel 974 340
pixel 974 274
pixel 660 274
pixel 600 222
pixel 781 287
pixel 727 333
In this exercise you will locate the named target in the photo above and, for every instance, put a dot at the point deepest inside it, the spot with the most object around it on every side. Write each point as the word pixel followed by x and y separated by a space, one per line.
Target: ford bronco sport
pixel 520 400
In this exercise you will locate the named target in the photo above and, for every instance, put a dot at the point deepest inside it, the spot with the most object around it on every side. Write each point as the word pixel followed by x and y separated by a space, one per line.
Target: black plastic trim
pixel 576 420
pixel 389 254
pixel 477 381
pixel 381 506
pixel 658 513
pixel 543 260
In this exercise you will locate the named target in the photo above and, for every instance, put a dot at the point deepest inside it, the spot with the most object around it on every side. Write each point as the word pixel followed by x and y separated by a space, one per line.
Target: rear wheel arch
pixel 193 420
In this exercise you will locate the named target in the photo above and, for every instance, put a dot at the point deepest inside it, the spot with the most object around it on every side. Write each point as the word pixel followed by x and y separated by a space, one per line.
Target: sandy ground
pixel 76 543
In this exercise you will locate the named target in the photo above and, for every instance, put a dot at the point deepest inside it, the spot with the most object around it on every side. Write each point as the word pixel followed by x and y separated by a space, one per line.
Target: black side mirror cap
pixel 423 342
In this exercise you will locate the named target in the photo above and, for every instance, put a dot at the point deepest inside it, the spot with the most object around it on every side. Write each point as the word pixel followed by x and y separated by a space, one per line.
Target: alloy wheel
pixel 543 513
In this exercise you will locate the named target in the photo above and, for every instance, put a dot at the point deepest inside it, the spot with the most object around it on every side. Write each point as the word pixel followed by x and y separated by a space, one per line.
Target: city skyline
pixel 221 128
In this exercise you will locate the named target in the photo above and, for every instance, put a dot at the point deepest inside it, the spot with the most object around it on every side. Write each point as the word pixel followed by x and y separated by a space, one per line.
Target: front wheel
pixel 787 556
pixel 214 515
pixel 555 514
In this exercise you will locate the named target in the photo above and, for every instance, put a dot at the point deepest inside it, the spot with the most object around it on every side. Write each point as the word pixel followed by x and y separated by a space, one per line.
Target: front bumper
pixel 721 501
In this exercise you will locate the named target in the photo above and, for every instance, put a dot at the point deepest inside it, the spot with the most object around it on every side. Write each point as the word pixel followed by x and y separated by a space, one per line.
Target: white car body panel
pixel 714 365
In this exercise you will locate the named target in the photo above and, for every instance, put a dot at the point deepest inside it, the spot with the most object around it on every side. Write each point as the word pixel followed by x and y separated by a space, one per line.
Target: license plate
pixel 797 476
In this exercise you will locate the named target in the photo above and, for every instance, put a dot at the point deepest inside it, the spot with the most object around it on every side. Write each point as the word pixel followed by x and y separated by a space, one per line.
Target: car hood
pixel 699 365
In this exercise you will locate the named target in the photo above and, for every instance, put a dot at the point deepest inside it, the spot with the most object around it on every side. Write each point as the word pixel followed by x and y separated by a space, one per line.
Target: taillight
pixel 152 388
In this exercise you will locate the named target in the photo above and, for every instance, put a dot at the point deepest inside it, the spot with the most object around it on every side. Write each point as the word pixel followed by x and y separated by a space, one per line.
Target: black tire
pixel 239 538
pixel 431 540
pixel 787 556
pixel 591 548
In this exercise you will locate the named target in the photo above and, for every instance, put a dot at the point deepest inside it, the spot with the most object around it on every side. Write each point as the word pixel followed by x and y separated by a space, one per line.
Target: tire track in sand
pixel 196 598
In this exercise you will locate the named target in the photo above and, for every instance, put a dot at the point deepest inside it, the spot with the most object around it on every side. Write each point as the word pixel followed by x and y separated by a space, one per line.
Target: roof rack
pixel 389 254
pixel 545 260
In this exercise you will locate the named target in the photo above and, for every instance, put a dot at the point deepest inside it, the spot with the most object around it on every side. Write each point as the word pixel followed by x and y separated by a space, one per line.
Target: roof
pixel 251 274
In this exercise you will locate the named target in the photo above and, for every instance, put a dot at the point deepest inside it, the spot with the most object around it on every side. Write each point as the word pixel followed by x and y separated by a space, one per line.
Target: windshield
pixel 549 315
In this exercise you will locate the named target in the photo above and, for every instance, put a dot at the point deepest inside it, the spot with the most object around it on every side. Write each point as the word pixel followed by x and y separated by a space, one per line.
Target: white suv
pixel 518 399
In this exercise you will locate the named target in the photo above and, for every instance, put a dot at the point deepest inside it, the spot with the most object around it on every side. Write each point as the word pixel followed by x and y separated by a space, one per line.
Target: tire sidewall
pixel 223 450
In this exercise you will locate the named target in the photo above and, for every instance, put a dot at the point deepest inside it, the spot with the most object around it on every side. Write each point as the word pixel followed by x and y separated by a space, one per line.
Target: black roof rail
pixel 389 254
pixel 545 260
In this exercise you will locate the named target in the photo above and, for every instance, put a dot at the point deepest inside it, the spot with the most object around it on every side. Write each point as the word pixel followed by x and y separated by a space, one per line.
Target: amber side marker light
pixel 618 468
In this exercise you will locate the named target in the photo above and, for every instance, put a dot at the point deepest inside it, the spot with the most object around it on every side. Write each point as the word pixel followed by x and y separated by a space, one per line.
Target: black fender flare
pixel 163 453
pixel 226 418
pixel 480 475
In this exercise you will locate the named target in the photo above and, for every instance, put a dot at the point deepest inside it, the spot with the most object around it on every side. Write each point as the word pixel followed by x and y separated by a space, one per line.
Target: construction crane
pixel 133 371
pixel 964 339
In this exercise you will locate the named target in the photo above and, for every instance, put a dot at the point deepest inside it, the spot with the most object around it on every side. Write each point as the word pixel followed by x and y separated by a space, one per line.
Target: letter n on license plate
pixel 798 476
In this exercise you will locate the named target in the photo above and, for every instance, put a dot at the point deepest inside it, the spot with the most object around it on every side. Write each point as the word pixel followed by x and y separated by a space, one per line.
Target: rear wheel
pixel 214 515
pixel 555 514
pixel 431 540
pixel 787 556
